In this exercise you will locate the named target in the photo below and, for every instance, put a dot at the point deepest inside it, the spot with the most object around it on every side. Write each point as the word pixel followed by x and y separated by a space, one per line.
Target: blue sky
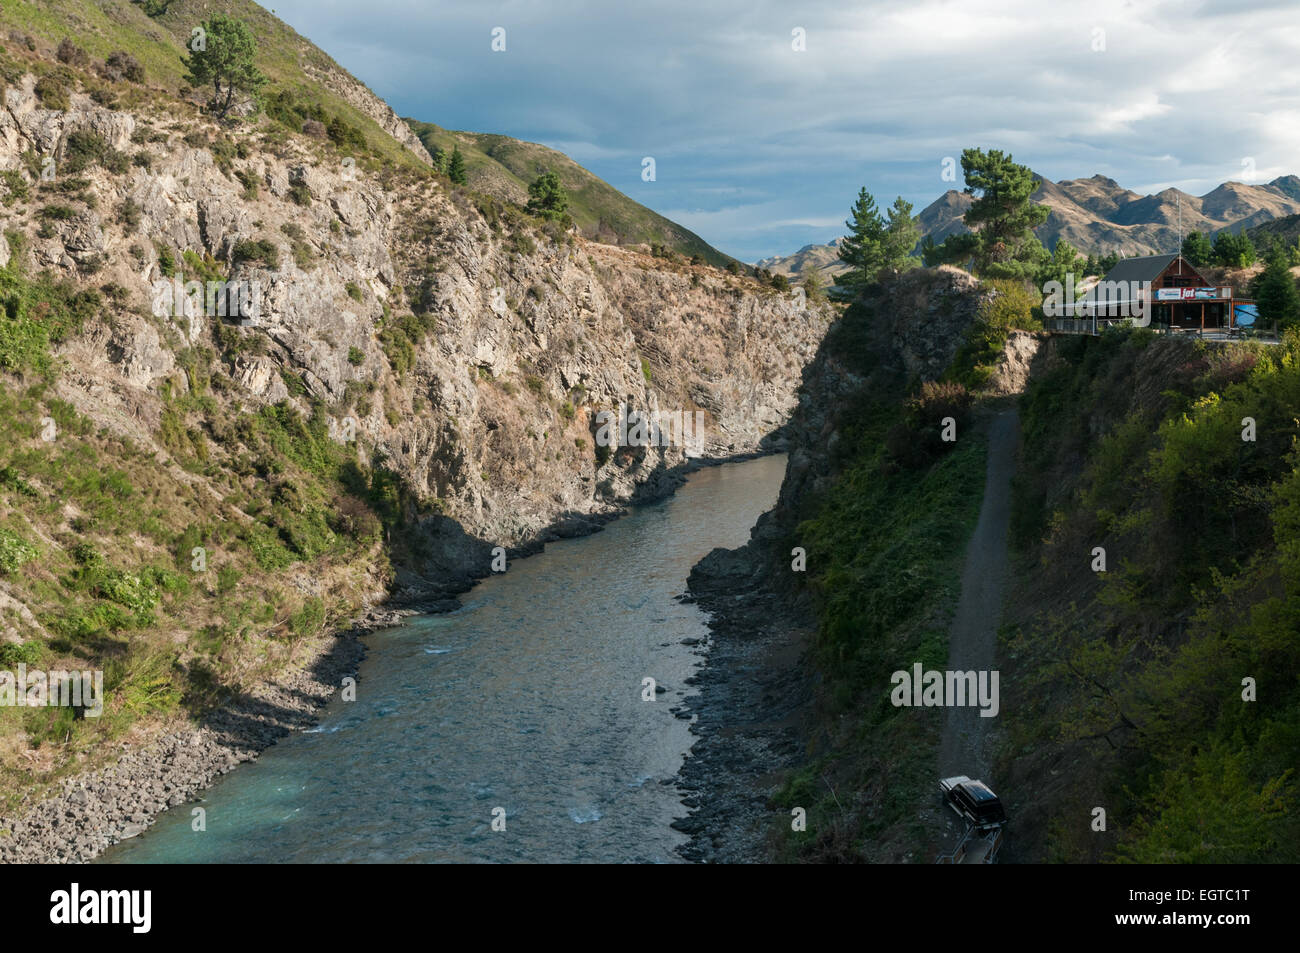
pixel 761 148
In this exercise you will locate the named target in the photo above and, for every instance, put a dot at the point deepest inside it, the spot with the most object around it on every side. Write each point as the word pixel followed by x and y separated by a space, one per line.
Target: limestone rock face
pixel 1012 372
pixel 360 96
pixel 524 338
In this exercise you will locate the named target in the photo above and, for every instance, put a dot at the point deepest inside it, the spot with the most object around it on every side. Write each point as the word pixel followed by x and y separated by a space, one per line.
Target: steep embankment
pixel 853 576
pixel 1150 664
pixel 1147 651
pixel 190 504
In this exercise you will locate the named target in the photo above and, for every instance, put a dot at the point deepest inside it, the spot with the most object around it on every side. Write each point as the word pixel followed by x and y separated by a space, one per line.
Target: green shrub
pixel 268 552
pixel 398 349
pixel 227 579
pixel 303 256
pixel 205 269
pixel 166 261
pixel 23 344
pixel 52 91
pixel 22 653
pixel 129 215
pixel 11 479
pixel 308 620
pixel 34 313
pixel 261 250
pixel 15 186
pixel 249 181
pixel 85 149
pixel 1010 306
pixel 344 135
pixel 14 551
pixel 356 357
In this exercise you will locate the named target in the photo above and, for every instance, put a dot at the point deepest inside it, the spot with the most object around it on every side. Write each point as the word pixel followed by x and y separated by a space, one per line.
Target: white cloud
pixel 1182 90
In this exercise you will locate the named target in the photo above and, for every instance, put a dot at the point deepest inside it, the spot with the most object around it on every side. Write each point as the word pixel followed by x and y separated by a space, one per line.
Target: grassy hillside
pixel 304 82
pixel 503 167
pixel 118 548
pixel 300 74
pixel 1126 688
pixel 1285 230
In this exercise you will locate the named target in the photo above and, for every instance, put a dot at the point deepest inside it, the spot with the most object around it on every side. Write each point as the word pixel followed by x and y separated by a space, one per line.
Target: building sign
pixel 1245 315
pixel 1192 294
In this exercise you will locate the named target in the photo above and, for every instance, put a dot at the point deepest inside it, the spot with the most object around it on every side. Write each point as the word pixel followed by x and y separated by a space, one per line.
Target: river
pixel 526 704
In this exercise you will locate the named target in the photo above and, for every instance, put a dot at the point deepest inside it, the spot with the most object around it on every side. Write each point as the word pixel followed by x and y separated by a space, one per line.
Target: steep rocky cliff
pixel 406 376
pixel 912 331
pixel 530 334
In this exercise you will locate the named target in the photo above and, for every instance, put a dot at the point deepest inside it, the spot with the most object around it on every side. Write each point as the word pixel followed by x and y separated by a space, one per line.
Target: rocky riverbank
pixel 96 810
pixel 754 698
pixel 92 811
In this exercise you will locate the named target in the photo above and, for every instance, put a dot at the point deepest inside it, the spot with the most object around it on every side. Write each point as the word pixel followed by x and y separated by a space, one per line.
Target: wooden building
pixel 1180 297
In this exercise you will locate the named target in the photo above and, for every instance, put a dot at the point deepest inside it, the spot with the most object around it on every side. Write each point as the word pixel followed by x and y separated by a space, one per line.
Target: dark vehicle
pixel 973 801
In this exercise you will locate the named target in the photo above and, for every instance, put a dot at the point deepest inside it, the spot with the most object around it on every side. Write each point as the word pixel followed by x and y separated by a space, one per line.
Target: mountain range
pixel 1098 215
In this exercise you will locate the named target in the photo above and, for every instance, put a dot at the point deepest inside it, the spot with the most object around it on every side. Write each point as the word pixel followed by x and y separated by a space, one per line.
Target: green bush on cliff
pixel 1008 306
pixel 1193 492
pixel 14 551
pixel 37 312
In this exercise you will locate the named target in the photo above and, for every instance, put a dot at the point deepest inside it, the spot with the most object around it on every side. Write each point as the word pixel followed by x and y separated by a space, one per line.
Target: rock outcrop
pixel 528 334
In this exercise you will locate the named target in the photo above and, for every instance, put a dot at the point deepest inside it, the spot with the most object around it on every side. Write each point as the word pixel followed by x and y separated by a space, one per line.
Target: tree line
pixel 1001 244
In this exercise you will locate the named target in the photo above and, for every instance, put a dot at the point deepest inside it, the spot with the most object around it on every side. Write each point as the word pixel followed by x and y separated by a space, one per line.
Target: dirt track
pixel 972 638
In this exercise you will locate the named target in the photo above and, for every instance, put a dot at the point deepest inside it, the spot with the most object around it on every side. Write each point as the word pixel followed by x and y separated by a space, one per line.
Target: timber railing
pixel 1091 326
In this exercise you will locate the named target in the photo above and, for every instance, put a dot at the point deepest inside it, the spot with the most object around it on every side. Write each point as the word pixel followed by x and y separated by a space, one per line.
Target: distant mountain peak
pixel 1098 215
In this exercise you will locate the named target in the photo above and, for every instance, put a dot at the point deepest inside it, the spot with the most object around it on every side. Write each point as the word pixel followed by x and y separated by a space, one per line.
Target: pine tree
pixel 1275 291
pixel 1233 251
pixel 1065 261
pixel 1197 249
pixel 225 60
pixel 901 236
pixel 862 248
pixel 1001 242
pixel 456 168
pixel 441 160
pixel 546 197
